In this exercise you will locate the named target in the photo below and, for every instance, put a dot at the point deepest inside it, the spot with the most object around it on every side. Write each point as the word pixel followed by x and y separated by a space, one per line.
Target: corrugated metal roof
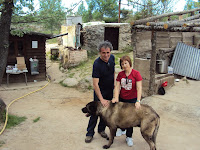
pixel 186 61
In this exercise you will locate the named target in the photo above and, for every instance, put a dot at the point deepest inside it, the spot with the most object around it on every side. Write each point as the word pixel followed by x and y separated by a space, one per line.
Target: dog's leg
pixel 149 140
pixel 147 131
pixel 157 124
pixel 111 138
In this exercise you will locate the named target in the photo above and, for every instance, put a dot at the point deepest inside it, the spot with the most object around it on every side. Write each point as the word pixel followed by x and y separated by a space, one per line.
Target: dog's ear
pixel 92 108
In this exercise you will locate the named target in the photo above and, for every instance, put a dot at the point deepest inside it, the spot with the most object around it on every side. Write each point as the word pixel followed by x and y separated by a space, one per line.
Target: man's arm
pixel 98 92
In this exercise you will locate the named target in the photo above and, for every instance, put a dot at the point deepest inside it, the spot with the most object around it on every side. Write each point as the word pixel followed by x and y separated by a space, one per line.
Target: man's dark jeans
pixel 93 119
pixel 92 125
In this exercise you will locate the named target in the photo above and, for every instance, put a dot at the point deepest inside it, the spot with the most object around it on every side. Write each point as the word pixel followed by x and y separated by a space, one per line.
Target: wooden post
pixel 119 11
pixel 152 63
pixel 133 43
pixel 180 17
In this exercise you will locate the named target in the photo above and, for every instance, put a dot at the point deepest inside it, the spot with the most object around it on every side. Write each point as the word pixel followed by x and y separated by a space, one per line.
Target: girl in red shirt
pixel 128 89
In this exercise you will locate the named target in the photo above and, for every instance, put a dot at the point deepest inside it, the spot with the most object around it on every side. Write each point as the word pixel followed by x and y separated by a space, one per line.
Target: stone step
pixel 161 78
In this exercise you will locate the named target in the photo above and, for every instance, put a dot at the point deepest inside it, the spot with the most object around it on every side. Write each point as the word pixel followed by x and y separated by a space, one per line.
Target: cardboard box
pixel 21 63
pixel 21 66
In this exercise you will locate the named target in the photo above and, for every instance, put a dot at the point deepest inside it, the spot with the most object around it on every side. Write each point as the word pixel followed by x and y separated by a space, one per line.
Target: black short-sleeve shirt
pixel 105 72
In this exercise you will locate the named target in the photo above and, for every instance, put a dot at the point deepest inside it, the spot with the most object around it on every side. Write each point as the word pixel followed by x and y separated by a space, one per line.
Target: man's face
pixel 105 54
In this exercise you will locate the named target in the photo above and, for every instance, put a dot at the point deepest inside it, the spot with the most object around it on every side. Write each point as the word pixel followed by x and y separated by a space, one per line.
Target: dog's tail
pixel 156 129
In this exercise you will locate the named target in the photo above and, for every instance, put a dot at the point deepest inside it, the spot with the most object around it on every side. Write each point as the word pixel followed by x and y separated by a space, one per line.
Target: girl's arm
pixel 139 93
pixel 116 92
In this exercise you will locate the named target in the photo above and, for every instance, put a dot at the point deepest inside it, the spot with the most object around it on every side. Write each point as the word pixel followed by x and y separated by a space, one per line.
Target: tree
pixel 82 12
pixel 6 8
pixel 147 8
pixel 191 4
pixel 100 9
pixel 126 15
pixel 52 14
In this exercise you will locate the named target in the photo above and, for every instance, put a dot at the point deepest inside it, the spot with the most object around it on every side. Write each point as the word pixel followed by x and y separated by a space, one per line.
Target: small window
pixel 34 44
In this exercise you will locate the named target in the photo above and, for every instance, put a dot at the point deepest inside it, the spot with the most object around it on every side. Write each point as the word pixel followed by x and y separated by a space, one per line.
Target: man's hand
pixel 105 102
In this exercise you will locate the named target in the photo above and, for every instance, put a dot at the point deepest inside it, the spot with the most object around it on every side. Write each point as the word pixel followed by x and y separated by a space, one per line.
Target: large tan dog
pixel 125 115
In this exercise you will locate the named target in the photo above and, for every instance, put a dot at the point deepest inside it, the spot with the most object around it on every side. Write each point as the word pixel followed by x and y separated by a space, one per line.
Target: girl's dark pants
pixel 129 131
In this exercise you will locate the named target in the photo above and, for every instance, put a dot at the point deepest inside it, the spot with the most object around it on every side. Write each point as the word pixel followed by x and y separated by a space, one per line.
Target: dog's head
pixel 90 109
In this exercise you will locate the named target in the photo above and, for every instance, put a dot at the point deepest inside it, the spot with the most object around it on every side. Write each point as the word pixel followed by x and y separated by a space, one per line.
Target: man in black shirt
pixel 103 84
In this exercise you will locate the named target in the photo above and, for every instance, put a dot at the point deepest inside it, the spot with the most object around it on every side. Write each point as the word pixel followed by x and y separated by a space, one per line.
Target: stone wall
pixel 71 58
pixel 143 42
pixel 94 34
pixel 124 36
pixel 143 66
pixel 76 57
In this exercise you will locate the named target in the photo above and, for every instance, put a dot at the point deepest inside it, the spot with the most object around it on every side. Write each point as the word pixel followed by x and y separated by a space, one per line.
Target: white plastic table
pixel 9 72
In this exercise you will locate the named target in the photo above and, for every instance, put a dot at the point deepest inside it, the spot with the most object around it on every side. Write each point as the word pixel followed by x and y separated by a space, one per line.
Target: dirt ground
pixel 62 125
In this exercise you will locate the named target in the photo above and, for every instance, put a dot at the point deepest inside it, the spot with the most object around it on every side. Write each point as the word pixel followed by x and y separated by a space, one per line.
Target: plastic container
pixel 34 66
pixel 170 70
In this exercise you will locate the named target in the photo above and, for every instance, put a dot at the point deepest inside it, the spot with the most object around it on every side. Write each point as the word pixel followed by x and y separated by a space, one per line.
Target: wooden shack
pixel 151 37
pixel 31 45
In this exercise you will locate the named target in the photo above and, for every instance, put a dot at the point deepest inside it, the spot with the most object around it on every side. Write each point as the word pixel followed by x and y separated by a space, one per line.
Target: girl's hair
pixel 125 58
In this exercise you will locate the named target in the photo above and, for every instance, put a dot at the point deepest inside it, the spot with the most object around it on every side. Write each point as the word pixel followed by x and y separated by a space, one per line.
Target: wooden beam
pixel 155 23
pixel 191 24
pixel 191 18
pixel 150 19
pixel 166 25
pixel 173 24
pixel 173 29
